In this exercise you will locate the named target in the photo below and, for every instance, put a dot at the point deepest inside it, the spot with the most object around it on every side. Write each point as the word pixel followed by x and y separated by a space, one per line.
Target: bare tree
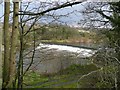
pixel 6 45
pixel 107 15
pixel 12 66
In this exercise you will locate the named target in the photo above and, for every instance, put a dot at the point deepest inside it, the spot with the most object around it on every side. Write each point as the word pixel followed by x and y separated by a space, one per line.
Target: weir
pixel 51 58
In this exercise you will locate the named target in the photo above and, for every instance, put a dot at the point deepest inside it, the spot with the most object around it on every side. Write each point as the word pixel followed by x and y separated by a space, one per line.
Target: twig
pixel 87 75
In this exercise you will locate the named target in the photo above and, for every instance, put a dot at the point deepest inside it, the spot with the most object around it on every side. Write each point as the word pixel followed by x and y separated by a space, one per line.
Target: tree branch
pixel 54 8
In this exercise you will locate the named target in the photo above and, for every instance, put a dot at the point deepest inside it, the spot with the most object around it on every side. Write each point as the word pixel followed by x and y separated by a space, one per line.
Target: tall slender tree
pixel 14 38
pixel 6 44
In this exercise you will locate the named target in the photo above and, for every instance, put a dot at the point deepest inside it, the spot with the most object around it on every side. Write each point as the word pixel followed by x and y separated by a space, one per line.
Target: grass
pixel 73 85
pixel 79 69
pixel 33 78
pixel 66 78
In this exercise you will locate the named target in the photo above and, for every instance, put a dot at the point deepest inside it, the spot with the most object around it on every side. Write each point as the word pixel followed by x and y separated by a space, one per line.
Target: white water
pixel 81 51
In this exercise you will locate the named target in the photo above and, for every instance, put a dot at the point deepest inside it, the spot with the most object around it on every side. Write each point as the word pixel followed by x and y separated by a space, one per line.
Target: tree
pixel 114 35
pixel 115 20
pixel 10 47
pixel 111 18
pixel 12 66
pixel 6 45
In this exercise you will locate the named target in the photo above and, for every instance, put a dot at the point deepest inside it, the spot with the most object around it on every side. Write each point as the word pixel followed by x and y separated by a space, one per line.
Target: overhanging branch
pixel 54 8
pixel 101 13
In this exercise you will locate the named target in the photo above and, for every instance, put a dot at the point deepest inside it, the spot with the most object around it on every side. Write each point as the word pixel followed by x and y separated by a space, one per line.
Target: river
pixel 51 58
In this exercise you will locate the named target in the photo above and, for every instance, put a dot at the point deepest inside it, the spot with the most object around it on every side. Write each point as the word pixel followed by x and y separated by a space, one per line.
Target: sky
pixel 1 10
pixel 72 19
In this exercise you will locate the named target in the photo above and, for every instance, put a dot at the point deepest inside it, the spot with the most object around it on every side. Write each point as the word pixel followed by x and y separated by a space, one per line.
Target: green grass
pixel 73 73
pixel 33 78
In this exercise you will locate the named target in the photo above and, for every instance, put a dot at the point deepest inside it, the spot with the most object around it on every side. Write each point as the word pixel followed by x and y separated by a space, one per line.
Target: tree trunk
pixel 6 45
pixel 0 57
pixel 14 40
